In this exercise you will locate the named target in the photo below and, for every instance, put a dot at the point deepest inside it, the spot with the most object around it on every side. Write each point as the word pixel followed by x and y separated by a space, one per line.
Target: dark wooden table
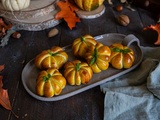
pixel 87 105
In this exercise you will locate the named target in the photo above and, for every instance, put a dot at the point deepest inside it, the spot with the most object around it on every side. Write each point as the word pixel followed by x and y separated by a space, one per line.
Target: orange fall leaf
pixel 157 29
pixel 67 12
pixel 4 27
pixel 4 99
pixel 1 67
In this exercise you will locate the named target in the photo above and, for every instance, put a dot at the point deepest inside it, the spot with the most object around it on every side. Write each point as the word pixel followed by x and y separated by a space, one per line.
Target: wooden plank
pixel 104 24
pixel 13 66
pixel 87 105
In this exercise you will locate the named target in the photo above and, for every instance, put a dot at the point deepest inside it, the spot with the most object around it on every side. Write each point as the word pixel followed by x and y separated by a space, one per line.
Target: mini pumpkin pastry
pixel 50 82
pixel 77 72
pixel 81 45
pixel 122 56
pixel 98 57
pixel 52 58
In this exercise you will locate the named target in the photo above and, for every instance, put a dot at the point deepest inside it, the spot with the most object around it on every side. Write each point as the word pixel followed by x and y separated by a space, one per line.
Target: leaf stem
pixel 14 114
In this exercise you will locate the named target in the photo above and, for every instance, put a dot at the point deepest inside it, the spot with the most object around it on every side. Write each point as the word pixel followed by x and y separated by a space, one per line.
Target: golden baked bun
pixel 52 58
pixel 50 83
pixel 98 57
pixel 81 45
pixel 122 56
pixel 77 72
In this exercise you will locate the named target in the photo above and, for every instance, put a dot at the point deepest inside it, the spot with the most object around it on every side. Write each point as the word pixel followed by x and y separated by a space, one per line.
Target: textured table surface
pixel 87 105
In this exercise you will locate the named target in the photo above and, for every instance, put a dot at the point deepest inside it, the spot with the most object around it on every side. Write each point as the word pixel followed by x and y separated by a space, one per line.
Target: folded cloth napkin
pixel 135 95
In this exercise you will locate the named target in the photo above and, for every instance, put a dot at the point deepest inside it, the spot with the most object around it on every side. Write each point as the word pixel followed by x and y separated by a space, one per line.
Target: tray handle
pixel 129 39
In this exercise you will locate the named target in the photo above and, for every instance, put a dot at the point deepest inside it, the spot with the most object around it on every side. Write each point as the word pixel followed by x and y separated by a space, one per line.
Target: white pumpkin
pixel 15 5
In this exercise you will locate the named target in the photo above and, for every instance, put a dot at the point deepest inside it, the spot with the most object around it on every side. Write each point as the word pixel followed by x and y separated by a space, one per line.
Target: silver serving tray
pixel 30 72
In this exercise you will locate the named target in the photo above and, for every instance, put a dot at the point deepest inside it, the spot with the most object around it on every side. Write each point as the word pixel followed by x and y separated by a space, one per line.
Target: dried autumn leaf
pixel 73 5
pixel 67 12
pixel 4 99
pixel 1 21
pixel 157 29
pixel 1 67
pixel 4 27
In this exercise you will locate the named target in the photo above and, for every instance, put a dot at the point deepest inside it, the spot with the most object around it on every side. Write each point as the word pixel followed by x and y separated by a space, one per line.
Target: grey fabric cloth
pixel 135 95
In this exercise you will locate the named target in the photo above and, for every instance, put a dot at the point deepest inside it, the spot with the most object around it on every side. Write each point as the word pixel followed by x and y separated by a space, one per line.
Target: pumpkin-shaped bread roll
pixel 50 82
pixel 121 56
pixel 81 45
pixel 98 57
pixel 52 58
pixel 77 72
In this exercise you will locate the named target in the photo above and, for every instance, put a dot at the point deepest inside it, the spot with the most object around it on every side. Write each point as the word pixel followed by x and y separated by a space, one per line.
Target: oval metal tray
pixel 30 72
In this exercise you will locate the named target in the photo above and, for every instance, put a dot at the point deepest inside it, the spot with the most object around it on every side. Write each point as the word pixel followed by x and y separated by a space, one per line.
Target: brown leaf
pixel 4 99
pixel 1 21
pixel 1 67
pixel 157 29
pixel 67 12
pixel 4 27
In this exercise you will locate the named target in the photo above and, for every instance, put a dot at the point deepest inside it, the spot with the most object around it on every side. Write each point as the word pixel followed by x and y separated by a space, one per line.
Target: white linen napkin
pixel 135 95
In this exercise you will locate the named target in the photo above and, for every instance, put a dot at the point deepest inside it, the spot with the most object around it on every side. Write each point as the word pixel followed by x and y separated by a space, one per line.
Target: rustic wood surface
pixel 87 105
